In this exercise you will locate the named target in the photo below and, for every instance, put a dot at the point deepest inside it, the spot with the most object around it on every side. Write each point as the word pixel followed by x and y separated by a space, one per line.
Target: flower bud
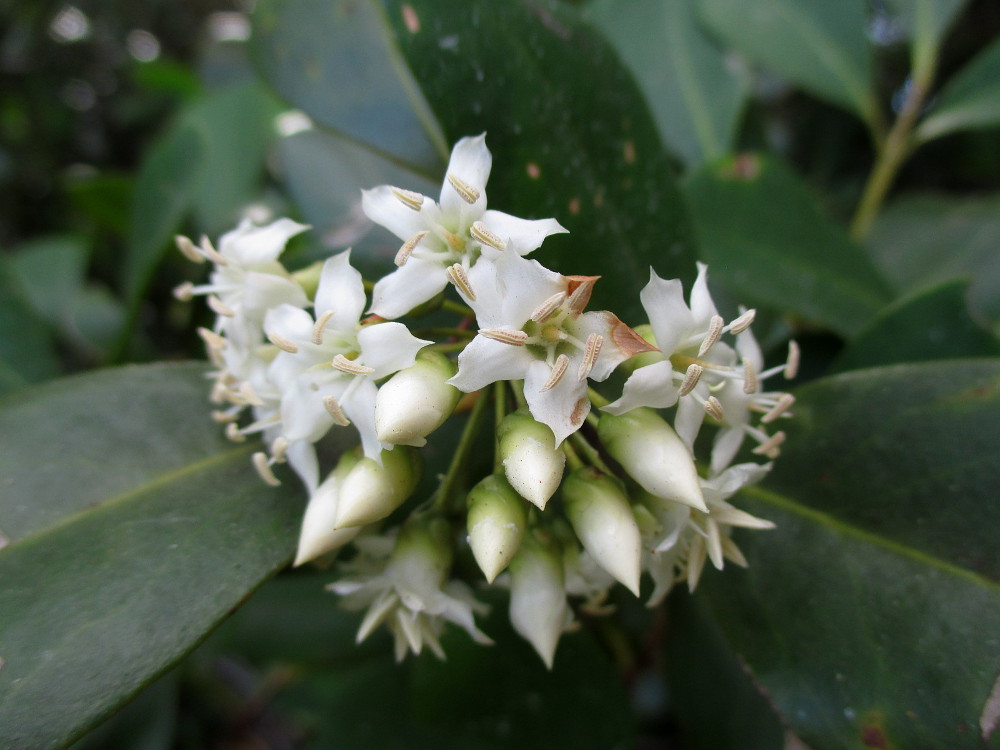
pixel 653 455
pixel 421 560
pixel 602 518
pixel 496 521
pixel 538 608
pixel 319 534
pixel 531 462
pixel 416 401
pixel 370 491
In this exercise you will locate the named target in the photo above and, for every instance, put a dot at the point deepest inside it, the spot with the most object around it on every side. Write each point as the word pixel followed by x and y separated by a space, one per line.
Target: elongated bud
pixel 416 401
pixel 642 359
pixel 371 492
pixel 602 518
pixel 531 462
pixel 538 608
pixel 319 534
pixel 421 560
pixel 653 455
pixel 496 520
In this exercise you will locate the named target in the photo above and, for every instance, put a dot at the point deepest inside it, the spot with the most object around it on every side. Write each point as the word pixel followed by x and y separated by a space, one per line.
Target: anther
pixel 715 326
pixel 769 447
pixel 282 343
pixel 212 339
pixel 217 306
pixel 714 408
pixel 317 334
pixel 279 448
pixel 505 336
pixel 224 417
pixel 468 193
pixel 783 405
pixel 743 322
pixel 590 353
pixel 211 253
pixel 342 363
pixel 333 409
pixel 691 377
pixel 749 377
pixel 263 467
pixel 792 363
pixel 581 296
pixel 479 232
pixel 545 310
pixel 461 281
pixel 183 292
pixel 248 393
pixel 408 198
pixel 234 434
pixel 188 249
pixel 408 247
pixel 558 370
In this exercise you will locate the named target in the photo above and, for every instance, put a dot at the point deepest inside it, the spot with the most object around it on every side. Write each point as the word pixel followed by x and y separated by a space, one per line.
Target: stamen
pixel 212 339
pixel 333 409
pixel 342 363
pixel 590 353
pixel 282 343
pixel 461 281
pixel 408 198
pixel 224 417
pixel 408 247
pixel 743 322
pixel 234 434
pixel 784 403
pixel 715 326
pixel 505 336
pixel 792 363
pixel 248 392
pixel 211 253
pixel 317 334
pixel 455 242
pixel 558 370
pixel 479 232
pixel 468 193
pixel 188 249
pixel 769 447
pixel 279 448
pixel 216 305
pixel 749 377
pixel 263 467
pixel 691 377
pixel 580 296
pixel 714 408
pixel 183 292
pixel 544 311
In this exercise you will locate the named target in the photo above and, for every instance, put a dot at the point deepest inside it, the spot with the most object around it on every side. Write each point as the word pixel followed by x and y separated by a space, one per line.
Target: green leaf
pixel 923 240
pixel 870 613
pixel 968 101
pixel 927 21
pixel 27 347
pixel 50 272
pixel 817 44
pixel 696 96
pixel 144 531
pixel 933 324
pixel 764 235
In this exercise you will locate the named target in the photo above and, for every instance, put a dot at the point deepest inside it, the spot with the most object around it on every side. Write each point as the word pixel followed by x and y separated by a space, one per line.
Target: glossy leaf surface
pixel 970 100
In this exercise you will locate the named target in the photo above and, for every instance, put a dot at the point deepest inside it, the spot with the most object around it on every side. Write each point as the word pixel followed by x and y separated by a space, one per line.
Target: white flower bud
pixel 370 491
pixel 496 521
pixel 538 608
pixel 416 401
pixel 531 462
pixel 653 455
pixel 421 560
pixel 602 518
pixel 319 534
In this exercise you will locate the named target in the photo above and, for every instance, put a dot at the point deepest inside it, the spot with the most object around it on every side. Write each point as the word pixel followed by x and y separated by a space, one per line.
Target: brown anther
pixel 785 402
pixel 408 198
pixel 234 434
pixel 714 408
pixel 483 235
pixel 342 363
pixel 792 363
pixel 545 310
pixel 468 193
pixel 461 281
pixel 743 322
pixel 217 306
pixel 505 336
pixel 558 370
pixel 263 467
pixel 769 447
pixel 317 332
pixel 715 326
pixel 332 407
pixel 408 247
pixel 691 377
pixel 188 249
pixel 282 343
pixel 183 292
pixel 591 352
pixel 749 377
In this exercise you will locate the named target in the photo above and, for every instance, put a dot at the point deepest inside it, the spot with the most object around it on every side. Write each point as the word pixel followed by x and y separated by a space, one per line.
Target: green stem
pixel 499 412
pixel 446 490
pixel 443 331
pixel 592 454
pixel 457 307
pixel 572 457
pixel 448 346
pixel 596 398
pixel 517 387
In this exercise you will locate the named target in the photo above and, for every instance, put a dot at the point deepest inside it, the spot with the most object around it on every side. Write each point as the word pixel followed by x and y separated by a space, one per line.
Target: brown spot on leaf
pixel 743 167
pixel 629 152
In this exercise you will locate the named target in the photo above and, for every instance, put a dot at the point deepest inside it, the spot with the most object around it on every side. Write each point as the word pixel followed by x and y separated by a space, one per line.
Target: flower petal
pixel 360 409
pixel 726 446
pixel 302 458
pixel 385 209
pixel 262 291
pixel 689 418
pixel 303 416
pixel 251 245
pixel 663 301
pixel 521 235
pixel 486 361
pixel 651 386
pixel 521 285
pixel 289 322
pixel 702 306
pixel 405 288
pixel 564 406
pixel 341 291
pixel 470 162
pixel 388 347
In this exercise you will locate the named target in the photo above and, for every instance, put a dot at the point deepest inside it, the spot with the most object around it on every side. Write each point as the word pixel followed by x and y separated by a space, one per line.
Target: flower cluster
pixel 298 356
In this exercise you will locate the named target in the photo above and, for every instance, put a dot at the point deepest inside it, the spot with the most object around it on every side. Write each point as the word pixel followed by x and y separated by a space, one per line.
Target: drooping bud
pixel 531 462
pixel 421 560
pixel 653 455
pixel 416 401
pixel 538 608
pixel 602 518
pixel 370 491
pixel 496 520
pixel 319 534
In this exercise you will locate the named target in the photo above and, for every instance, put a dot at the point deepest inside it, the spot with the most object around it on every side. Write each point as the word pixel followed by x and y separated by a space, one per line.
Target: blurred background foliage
pixel 123 124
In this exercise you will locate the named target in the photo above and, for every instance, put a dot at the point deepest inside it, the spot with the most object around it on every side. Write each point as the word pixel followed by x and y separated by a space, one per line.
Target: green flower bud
pixel 531 462
pixel 496 522
pixel 416 401
pixel 319 533
pixel 538 608
pixel 602 518
pixel 421 560
pixel 371 491
pixel 653 455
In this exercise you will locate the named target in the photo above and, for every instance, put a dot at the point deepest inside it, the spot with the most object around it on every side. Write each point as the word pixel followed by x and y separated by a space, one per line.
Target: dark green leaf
pixel 50 273
pixel 696 96
pixel 817 44
pixel 144 532
pixel 764 235
pixel 870 613
pixel 27 347
pixel 927 21
pixel 933 324
pixel 970 100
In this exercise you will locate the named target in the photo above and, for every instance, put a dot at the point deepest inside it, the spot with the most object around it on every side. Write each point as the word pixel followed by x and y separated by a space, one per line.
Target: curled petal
pixel 521 235
pixel 251 245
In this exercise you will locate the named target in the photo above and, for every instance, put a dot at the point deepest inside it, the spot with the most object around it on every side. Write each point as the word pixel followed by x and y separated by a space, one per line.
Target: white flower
pixel 439 235
pixel 539 611
pixel 532 327
pixel 328 366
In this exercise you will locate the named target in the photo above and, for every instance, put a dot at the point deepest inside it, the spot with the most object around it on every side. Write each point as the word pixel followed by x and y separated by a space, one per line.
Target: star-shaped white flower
pixel 532 327
pixel 329 364
pixel 439 235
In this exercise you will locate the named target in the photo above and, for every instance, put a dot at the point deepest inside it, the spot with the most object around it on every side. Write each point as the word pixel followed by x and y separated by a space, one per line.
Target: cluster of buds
pixel 584 492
